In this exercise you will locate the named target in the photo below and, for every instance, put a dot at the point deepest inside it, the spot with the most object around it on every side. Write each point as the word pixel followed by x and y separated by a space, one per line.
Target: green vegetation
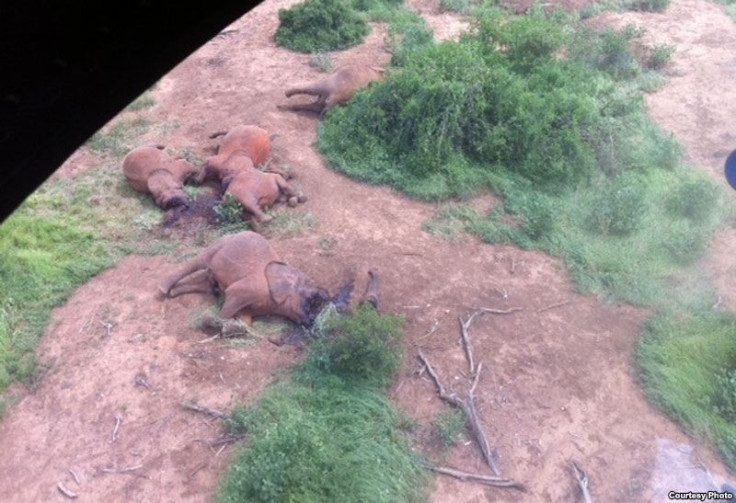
pixel 329 433
pixel 688 364
pixel 322 61
pixel 448 426
pixel 549 115
pixel 329 25
pixel 320 25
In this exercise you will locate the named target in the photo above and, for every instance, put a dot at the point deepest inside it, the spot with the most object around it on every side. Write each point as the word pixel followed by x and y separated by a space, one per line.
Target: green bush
pixel 320 25
pixel 685 242
pixel 360 347
pixel 649 5
pixel 619 207
pixel 696 199
pixel 330 434
pixel 725 398
pixel 660 56
pixel 448 426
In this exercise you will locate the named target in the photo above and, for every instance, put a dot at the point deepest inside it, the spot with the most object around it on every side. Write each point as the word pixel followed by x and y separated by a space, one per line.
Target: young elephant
pixel 252 188
pixel 252 140
pixel 253 279
pixel 148 169
pixel 337 89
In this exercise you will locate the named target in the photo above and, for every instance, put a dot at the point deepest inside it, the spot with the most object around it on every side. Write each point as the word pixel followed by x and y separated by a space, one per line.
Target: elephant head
pixel 295 295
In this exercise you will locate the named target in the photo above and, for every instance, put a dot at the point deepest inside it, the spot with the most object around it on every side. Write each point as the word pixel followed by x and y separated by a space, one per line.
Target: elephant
pixel 252 140
pixel 337 89
pixel 253 280
pixel 255 189
pixel 150 170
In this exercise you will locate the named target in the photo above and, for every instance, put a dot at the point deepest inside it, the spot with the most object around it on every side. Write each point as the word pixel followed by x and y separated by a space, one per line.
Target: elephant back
pixel 251 139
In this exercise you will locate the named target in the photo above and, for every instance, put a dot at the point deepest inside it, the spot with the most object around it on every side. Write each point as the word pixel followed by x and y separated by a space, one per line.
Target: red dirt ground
pixel 558 383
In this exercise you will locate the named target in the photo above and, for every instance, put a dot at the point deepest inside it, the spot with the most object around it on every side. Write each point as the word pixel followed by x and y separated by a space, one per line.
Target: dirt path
pixel 559 383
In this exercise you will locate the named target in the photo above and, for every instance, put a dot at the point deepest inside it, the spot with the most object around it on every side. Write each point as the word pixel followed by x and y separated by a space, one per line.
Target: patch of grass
pixel 687 366
pixel 329 433
pixel 448 426
pixel 450 221
pixel 320 25
pixel 116 140
pixel 41 261
pixel 288 222
pixel 145 100
pixel 322 61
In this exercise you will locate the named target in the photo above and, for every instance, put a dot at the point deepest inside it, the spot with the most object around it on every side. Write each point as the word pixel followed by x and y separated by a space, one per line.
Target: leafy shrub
pixel 619 208
pixel 321 61
pixel 685 242
pixel 696 199
pixel 362 347
pixel 229 210
pixel 448 426
pixel 660 56
pixel 320 25
pixel 649 5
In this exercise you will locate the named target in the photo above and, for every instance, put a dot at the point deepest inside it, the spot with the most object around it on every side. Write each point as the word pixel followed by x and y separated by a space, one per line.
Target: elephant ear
pixel 284 281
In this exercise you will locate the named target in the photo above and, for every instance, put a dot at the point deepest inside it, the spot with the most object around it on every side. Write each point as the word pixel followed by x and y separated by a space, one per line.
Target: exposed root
pixel 582 479
pixel 204 410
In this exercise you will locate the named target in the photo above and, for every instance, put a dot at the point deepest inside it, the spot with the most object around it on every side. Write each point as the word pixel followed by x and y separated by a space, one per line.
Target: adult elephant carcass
pixel 253 279
pixel 337 89
pixel 152 171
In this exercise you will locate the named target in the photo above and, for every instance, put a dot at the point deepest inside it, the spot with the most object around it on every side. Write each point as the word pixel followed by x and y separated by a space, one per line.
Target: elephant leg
pixel 206 284
pixel 293 197
pixel 239 296
pixel 316 107
pixel 250 203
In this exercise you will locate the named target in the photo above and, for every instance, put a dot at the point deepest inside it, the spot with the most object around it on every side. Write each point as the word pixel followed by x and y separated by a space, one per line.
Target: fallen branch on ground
pixel 76 479
pixel 118 422
pixel 552 306
pixel 582 479
pixel 204 410
pixel 121 470
pixel 468 407
pixel 481 479
pixel 66 492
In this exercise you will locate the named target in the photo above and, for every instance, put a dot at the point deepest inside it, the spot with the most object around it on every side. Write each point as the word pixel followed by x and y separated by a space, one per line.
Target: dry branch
pixel 118 422
pixel 552 306
pixel 501 311
pixel 481 479
pixel 204 410
pixel 66 492
pixel 227 439
pixel 76 479
pixel 468 407
pixel 121 470
pixel 582 478
pixel 464 326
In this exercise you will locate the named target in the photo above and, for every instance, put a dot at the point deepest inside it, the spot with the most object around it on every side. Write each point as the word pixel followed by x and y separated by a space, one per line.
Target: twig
pixel 431 330
pixel 481 479
pixel 66 492
pixel 108 326
pixel 122 470
pixel 76 479
pixel 140 380
pixel 197 468
pixel 582 479
pixel 552 306
pixel 717 304
pixel 220 450
pixel 227 439
pixel 204 410
pixel 475 381
pixel 208 339
pixel 467 406
pixel 501 311
pixel 118 422
pixel 464 326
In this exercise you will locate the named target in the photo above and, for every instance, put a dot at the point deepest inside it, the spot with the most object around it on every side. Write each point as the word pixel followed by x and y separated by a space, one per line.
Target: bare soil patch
pixel 558 383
